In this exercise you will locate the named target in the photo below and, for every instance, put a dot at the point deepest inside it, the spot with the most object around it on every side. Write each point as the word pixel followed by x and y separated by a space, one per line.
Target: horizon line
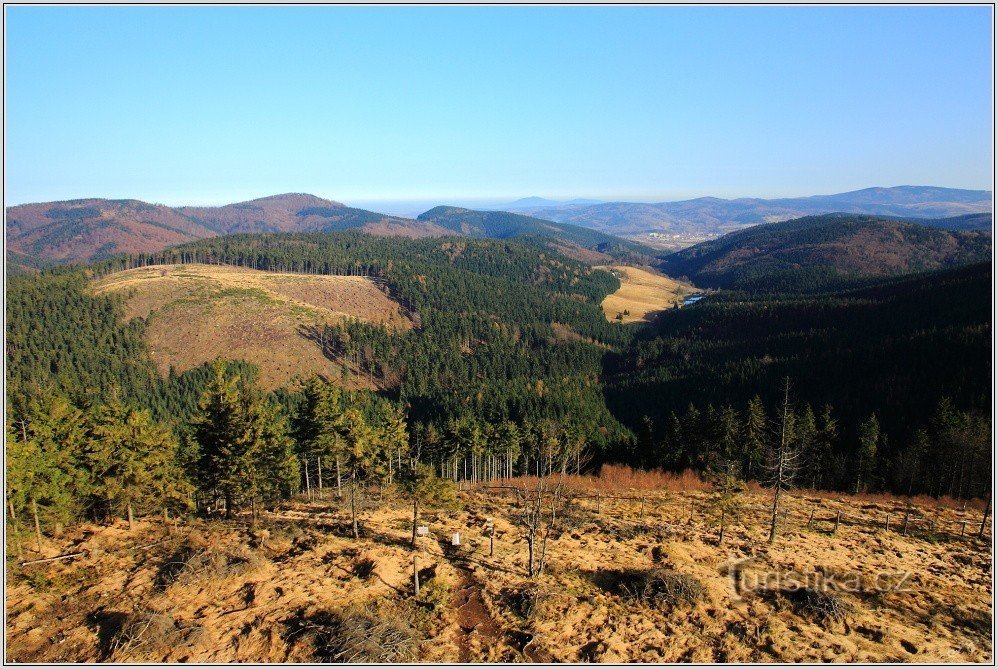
pixel 496 199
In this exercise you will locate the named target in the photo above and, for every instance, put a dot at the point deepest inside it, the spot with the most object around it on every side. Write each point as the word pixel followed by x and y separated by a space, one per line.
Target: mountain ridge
pixel 87 230
pixel 715 215
pixel 814 252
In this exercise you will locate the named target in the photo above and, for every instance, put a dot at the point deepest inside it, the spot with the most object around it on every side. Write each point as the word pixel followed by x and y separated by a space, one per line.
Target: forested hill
pixel 891 382
pixel 816 252
pixel 902 350
pixel 505 330
pixel 93 229
pixel 504 225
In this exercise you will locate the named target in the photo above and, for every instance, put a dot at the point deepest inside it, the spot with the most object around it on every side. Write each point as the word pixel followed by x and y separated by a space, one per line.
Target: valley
pixel 643 294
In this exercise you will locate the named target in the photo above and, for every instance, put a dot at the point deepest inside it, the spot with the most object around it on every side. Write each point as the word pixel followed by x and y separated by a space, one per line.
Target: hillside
pixel 814 252
pixel 714 216
pixel 90 230
pixel 196 313
pixel 84 230
pixel 504 225
pixel 896 348
pixel 213 592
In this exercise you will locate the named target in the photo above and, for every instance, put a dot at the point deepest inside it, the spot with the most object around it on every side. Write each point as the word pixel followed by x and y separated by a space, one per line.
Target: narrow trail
pixel 478 631
pixel 480 636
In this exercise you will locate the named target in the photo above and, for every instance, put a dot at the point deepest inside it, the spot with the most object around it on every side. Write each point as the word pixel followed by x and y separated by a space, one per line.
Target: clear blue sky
pixel 213 105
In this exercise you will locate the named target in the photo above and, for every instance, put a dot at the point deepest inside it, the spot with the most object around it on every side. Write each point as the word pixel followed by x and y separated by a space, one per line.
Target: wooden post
pixel 415 574
pixel 963 528
pixel 907 517
pixel 597 503
pixel 810 519
pixel 838 519
pixel 130 518
pixel 38 525
pixel 492 545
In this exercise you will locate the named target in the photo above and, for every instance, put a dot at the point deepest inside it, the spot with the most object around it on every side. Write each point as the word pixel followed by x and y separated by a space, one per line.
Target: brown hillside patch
pixel 643 293
pixel 195 313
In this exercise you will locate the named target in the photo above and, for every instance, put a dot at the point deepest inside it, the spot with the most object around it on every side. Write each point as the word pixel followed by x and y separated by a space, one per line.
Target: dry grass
pixel 195 313
pixel 643 294
pixel 619 479
pixel 298 603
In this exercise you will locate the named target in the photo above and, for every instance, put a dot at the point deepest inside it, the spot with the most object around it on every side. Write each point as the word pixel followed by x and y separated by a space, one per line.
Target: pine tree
pixel 360 455
pixel 244 448
pixel 754 438
pixel 418 484
pixel 866 454
pixel 44 477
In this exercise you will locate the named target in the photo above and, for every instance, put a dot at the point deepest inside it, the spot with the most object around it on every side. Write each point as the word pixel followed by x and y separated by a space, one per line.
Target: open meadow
pixel 643 294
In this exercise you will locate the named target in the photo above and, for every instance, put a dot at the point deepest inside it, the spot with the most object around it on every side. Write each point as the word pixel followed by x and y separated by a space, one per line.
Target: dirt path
pixel 478 631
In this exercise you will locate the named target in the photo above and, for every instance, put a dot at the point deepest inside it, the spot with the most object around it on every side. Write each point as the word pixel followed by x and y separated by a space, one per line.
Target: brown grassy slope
pixel 263 597
pixel 643 293
pixel 82 230
pixel 195 313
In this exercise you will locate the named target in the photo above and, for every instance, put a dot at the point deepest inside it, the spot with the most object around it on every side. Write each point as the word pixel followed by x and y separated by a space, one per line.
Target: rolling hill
pixel 817 251
pixel 711 215
pixel 504 225
pixel 89 230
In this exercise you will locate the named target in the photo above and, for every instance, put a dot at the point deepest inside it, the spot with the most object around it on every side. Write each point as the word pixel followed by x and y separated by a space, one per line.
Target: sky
pixel 211 105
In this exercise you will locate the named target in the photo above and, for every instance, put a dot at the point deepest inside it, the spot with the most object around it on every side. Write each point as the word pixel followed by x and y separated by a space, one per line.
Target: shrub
pixel 149 636
pixel 818 605
pixel 360 635
pixel 666 587
pixel 191 564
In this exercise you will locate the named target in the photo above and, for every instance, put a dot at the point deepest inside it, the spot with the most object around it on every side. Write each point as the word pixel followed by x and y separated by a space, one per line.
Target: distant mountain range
pixel 817 252
pixel 93 229
pixel 711 215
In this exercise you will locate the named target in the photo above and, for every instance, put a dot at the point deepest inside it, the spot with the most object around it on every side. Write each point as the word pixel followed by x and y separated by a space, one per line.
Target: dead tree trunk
pixel 984 521
pixel 784 465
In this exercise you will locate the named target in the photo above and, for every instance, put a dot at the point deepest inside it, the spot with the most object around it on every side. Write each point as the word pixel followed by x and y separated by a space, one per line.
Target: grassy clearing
pixel 642 294
pixel 195 313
